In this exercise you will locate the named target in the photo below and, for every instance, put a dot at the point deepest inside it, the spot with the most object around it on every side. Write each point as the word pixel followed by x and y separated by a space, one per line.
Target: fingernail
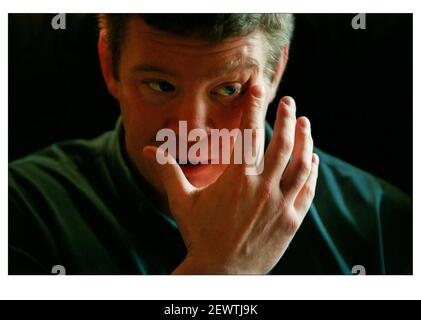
pixel 305 123
pixel 287 100
pixel 289 103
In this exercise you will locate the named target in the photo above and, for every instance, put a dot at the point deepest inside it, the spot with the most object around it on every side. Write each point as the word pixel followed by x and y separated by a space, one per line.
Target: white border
pixel 203 287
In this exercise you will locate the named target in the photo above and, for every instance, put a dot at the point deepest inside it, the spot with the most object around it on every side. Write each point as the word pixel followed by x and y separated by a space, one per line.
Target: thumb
pixel 176 185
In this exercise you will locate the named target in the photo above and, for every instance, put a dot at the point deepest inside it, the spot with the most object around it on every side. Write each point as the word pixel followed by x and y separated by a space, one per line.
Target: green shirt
pixel 81 205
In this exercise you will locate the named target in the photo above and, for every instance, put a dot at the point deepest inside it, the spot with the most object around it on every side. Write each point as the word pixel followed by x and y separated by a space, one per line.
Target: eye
pixel 160 86
pixel 229 90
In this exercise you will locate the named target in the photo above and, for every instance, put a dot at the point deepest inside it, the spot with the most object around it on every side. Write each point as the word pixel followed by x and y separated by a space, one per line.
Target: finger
pixel 253 115
pixel 299 168
pixel 176 185
pixel 251 128
pixel 305 196
pixel 280 147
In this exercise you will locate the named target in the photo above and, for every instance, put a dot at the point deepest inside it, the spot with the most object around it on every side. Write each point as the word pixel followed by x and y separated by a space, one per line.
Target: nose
pixel 193 109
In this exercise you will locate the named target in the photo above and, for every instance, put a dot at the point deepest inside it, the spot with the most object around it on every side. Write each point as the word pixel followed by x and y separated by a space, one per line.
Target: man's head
pixel 189 67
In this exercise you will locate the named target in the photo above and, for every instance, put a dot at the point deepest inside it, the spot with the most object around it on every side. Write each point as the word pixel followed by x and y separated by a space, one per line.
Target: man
pixel 108 206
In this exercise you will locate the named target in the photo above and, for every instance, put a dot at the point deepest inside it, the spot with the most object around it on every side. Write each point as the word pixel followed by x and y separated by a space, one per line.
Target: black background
pixel 354 85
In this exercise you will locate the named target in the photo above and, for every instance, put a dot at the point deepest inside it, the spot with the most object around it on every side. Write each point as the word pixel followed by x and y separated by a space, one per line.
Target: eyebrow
pixel 233 65
pixel 152 68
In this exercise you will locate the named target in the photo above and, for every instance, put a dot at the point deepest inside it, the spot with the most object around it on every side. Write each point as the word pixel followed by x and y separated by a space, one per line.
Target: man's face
pixel 165 79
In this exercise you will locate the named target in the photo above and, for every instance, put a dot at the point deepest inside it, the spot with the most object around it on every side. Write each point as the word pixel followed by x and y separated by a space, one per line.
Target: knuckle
pixel 304 167
pixel 265 191
pixel 287 219
pixel 286 143
pixel 291 224
pixel 258 102
pixel 307 137
pixel 310 140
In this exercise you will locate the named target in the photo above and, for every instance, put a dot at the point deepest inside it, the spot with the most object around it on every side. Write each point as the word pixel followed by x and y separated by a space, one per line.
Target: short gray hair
pixel 277 28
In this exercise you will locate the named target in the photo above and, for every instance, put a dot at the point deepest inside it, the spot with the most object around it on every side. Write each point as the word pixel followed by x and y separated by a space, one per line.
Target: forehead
pixel 147 45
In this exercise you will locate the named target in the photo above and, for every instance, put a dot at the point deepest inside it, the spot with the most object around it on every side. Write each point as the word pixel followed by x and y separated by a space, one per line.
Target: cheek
pixel 228 118
pixel 141 122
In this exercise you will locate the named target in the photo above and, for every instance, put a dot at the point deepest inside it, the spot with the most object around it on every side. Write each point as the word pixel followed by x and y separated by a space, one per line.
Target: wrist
pixel 194 266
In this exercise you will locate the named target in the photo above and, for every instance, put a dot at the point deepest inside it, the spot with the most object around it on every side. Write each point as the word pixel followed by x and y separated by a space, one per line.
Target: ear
pixel 279 71
pixel 105 60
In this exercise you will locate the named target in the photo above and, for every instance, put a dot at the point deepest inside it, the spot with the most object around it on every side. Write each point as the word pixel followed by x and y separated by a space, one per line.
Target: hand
pixel 242 224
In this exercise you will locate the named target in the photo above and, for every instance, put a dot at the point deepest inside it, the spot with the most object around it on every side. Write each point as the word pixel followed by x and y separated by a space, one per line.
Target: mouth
pixel 191 169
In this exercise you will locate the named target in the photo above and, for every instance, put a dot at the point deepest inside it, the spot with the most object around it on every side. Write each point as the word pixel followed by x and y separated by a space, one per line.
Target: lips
pixel 189 169
pixel 192 160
